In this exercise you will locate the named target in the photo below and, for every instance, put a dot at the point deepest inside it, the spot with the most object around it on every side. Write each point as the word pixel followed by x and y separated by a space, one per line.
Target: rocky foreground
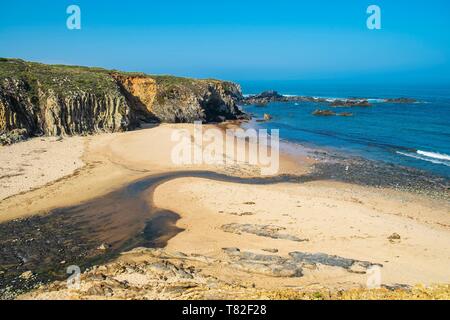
pixel 54 100
pixel 160 274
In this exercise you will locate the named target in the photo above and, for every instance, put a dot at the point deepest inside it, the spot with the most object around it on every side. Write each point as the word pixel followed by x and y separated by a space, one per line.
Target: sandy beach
pixel 226 238
pixel 34 163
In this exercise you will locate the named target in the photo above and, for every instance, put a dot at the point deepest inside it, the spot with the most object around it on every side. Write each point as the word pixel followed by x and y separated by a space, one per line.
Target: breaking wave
pixel 433 157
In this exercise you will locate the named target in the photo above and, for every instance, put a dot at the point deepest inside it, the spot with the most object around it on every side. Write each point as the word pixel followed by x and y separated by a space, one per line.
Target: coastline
pixel 315 208
pixel 339 165
pixel 405 132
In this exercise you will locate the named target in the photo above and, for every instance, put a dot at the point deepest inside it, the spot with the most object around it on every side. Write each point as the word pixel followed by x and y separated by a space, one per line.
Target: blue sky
pixel 238 40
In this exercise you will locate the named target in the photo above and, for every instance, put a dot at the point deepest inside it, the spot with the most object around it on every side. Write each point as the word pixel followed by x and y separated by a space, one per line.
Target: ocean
pixel 414 135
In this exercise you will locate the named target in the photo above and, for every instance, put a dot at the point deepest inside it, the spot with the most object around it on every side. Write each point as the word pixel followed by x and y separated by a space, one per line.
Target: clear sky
pixel 238 39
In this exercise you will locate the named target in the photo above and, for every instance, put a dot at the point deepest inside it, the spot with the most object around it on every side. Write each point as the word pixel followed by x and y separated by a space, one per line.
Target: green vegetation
pixel 65 80
pixel 60 79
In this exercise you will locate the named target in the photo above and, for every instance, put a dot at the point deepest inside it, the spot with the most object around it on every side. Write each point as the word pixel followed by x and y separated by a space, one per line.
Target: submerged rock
pixel 324 113
pixel 351 103
pixel 332 113
pixel 345 114
pixel 400 100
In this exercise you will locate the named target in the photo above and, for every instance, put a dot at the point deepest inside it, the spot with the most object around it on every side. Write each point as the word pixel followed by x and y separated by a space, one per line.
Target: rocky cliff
pixel 37 99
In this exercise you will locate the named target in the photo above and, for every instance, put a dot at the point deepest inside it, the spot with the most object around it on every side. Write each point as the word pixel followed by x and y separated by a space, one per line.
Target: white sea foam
pixel 434 155
pixel 419 155
pixel 376 100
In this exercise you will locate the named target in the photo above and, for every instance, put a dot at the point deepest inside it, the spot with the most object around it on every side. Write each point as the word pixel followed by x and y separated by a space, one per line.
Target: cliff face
pixel 170 99
pixel 38 99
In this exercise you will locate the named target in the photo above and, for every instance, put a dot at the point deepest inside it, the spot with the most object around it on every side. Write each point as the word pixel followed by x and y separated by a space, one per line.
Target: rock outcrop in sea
pixel 38 99
pixel 327 113
pixel 271 96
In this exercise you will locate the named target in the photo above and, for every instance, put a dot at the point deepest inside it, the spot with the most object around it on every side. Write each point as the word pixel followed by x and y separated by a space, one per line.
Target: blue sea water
pixel 415 135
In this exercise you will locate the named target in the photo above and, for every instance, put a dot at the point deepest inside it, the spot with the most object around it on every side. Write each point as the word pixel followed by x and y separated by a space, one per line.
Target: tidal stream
pixel 96 231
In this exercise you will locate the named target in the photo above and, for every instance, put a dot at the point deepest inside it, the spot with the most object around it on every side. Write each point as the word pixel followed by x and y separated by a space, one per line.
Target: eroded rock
pixel 325 113
pixel 333 261
pixel 351 103
pixel 37 99
pixel 271 265
pixel 268 231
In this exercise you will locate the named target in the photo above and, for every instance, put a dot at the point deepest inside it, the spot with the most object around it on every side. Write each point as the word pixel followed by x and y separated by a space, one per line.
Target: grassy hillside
pixel 64 79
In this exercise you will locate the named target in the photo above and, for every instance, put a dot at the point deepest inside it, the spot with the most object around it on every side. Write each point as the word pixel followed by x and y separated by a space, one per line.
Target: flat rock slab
pixel 277 266
pixel 260 230
pixel 333 261
pixel 270 265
